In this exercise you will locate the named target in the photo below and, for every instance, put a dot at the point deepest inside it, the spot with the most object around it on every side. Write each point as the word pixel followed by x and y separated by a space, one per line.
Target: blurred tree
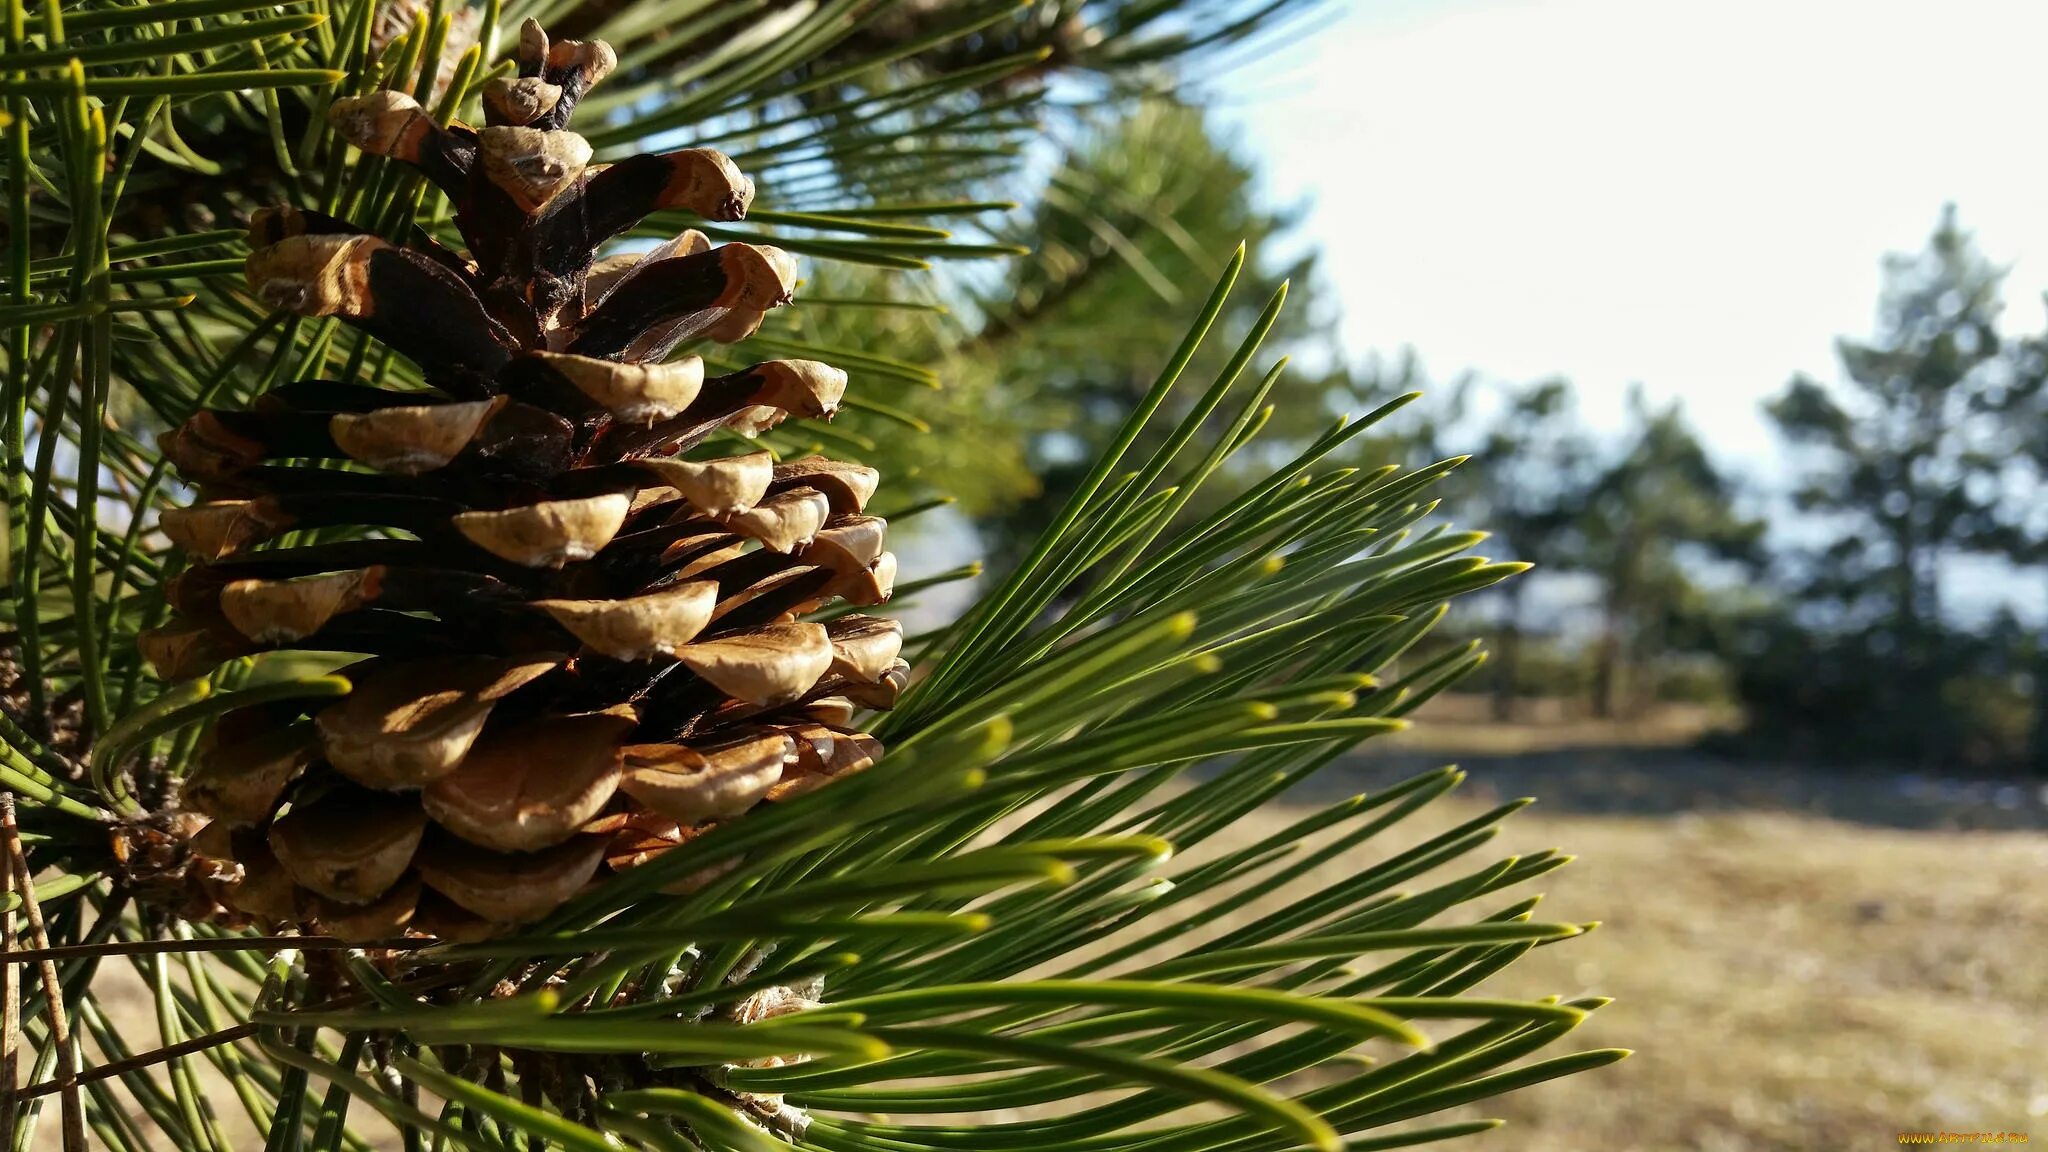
pixel 1533 484
pixel 2020 533
pixel 1649 521
pixel 1041 358
pixel 1436 429
pixel 1135 210
pixel 1533 468
pixel 1901 468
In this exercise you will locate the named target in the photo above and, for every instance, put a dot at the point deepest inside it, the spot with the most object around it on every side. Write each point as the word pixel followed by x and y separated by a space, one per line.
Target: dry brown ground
pixel 1790 980
pixel 1788 983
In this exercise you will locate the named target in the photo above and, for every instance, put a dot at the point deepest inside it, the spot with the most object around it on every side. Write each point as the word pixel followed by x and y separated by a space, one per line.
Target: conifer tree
pixel 1650 519
pixel 1898 467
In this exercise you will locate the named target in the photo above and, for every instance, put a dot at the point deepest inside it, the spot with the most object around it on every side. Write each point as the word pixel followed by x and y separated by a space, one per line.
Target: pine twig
pixel 220 944
pixel 133 1063
pixel 53 991
pixel 10 1012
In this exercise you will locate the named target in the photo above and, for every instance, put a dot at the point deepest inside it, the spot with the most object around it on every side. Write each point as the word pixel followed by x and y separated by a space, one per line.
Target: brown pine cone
pixel 579 646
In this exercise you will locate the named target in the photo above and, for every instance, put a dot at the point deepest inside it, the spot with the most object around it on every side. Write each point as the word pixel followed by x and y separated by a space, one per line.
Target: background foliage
pixel 1836 611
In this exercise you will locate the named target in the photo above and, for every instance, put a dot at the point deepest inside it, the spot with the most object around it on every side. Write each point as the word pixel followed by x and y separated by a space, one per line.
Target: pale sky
pixel 1693 195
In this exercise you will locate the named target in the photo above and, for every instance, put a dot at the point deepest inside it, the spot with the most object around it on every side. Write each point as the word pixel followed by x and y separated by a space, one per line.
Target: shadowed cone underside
pixel 574 640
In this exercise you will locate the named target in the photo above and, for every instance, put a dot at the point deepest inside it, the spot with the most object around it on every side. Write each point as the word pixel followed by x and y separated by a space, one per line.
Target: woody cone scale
pixel 583 642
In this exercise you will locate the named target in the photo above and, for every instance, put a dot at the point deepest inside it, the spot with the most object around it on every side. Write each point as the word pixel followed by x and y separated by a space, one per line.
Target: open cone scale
pixel 580 647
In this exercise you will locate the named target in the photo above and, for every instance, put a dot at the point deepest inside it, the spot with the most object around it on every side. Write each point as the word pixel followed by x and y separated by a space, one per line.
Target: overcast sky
pixel 1693 195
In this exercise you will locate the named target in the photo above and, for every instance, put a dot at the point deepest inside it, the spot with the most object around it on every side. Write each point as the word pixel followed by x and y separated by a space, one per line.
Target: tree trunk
pixel 2038 739
pixel 1508 667
pixel 1912 672
pixel 1608 657
pixel 1607 671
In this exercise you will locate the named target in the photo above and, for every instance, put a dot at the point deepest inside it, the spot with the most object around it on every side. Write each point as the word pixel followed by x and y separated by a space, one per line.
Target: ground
pixel 1802 962
pixel 1790 983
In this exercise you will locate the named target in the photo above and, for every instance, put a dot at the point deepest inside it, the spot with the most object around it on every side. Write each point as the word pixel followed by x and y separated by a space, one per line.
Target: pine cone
pixel 582 648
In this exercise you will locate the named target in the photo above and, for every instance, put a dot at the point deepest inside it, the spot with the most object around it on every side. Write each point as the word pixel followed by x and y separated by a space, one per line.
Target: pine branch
pixel 757 976
pixel 21 882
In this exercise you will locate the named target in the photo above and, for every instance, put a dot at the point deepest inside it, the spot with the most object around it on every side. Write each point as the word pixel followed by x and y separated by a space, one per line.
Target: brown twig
pixel 222 944
pixel 10 1011
pixel 53 991
pixel 144 1060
